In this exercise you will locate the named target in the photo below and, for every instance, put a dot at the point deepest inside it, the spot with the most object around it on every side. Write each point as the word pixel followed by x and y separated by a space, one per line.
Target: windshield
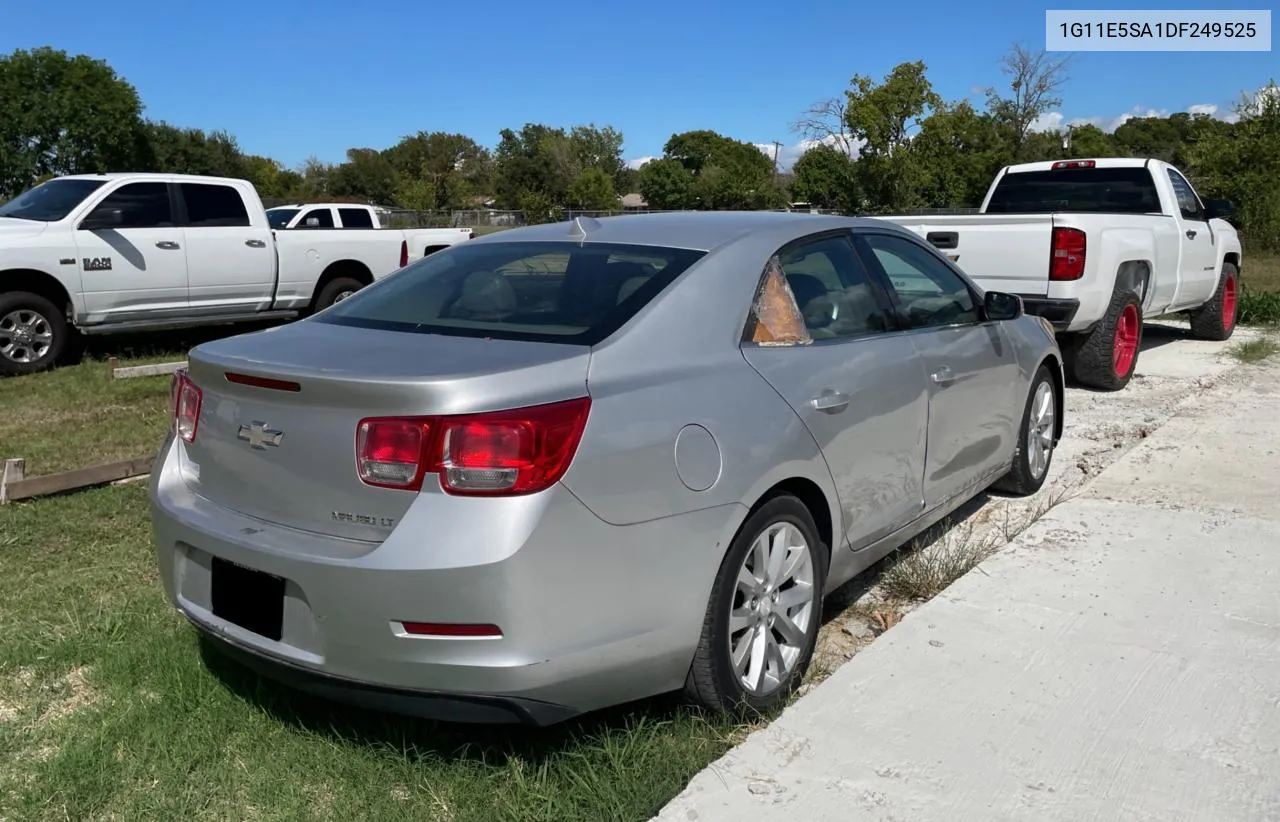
pixel 280 217
pixel 549 292
pixel 51 201
pixel 1082 190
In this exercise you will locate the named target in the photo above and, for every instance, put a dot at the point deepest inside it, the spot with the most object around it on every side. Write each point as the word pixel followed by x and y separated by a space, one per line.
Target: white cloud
pixel 787 155
pixel 1203 108
pixel 639 161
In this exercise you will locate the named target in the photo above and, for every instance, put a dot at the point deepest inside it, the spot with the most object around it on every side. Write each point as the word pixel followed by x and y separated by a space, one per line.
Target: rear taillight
pixel 499 453
pixel 1061 164
pixel 404 253
pixel 1066 260
pixel 186 406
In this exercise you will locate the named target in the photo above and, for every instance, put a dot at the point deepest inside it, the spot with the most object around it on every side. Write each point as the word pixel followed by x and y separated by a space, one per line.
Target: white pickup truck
pixel 1094 246
pixel 108 253
pixel 422 241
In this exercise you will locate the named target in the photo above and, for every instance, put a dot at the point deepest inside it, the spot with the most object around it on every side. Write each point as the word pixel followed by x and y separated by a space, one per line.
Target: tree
pixel 826 122
pixel 1090 141
pixel 884 118
pixel 175 150
pixel 439 168
pixel 959 152
pixel 666 185
pixel 367 176
pixel 64 115
pixel 593 190
pixel 718 173
pixel 545 161
pixel 1036 80
pixel 824 177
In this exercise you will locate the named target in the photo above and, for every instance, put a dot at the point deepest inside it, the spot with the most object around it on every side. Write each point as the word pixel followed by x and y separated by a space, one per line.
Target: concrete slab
pixel 1121 660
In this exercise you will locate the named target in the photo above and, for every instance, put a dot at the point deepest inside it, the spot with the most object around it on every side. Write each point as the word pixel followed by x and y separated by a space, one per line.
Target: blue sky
pixel 294 79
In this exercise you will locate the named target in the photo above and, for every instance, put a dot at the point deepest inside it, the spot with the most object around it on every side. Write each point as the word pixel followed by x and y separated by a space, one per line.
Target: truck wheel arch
pixel 38 282
pixel 1135 276
pixel 353 269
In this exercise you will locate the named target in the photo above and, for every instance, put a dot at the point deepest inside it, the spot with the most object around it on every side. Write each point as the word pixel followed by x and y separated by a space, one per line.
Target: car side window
pixel 355 218
pixel 930 294
pixel 1188 202
pixel 142 205
pixel 316 218
pixel 213 206
pixel 832 288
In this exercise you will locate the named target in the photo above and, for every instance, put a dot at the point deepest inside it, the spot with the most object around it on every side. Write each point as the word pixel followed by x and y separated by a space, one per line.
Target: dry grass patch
pixel 1255 350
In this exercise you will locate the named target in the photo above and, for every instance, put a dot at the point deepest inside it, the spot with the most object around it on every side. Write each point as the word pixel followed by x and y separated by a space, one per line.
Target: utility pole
pixel 776 148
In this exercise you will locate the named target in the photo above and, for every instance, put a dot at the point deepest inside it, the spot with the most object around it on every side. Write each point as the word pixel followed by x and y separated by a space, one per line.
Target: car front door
pixel 131 255
pixel 1197 264
pixel 230 261
pixel 972 372
pixel 859 388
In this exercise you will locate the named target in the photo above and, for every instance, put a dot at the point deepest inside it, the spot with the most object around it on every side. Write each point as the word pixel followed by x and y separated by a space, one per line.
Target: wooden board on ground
pixel 153 370
pixel 15 485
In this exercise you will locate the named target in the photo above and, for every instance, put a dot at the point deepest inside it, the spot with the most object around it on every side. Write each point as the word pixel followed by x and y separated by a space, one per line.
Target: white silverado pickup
pixel 1095 246
pixel 106 253
pixel 422 241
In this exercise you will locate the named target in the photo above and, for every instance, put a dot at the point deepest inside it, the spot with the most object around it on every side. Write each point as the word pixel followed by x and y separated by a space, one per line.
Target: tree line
pixel 878 146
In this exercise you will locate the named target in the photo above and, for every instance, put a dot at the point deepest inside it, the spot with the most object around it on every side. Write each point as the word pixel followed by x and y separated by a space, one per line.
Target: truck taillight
pixel 1061 164
pixel 502 453
pixel 1066 261
pixel 404 253
pixel 187 397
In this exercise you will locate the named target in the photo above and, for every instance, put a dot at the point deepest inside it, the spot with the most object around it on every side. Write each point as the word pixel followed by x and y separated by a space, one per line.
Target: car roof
pixel 697 230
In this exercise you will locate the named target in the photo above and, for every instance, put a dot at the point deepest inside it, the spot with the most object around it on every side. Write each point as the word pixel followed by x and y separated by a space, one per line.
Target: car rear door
pixel 860 389
pixel 230 255
pixel 972 372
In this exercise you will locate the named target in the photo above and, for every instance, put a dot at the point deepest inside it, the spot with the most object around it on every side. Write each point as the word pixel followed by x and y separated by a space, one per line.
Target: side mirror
pixel 103 218
pixel 1001 306
pixel 1217 209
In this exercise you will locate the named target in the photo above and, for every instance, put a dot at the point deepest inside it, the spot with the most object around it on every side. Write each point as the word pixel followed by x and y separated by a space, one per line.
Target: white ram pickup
pixel 1095 246
pixel 108 253
pixel 310 216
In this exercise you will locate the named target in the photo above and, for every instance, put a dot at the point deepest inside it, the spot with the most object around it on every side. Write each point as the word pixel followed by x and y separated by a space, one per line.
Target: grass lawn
pixel 110 708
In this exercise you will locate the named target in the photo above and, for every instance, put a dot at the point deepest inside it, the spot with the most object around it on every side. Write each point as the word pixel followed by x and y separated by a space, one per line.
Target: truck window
pixel 322 216
pixel 51 201
pixel 355 218
pixel 1188 202
pixel 210 206
pixel 280 217
pixel 1126 190
pixel 142 205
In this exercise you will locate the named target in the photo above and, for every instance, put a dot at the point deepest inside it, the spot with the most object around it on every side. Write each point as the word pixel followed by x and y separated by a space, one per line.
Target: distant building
pixel 633 202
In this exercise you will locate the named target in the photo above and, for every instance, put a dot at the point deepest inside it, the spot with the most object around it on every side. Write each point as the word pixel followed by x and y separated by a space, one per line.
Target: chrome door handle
pixel 168 245
pixel 830 401
pixel 943 375
pixel 1191 233
pixel 255 243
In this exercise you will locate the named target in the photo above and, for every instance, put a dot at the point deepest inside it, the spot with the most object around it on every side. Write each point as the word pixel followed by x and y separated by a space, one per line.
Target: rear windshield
pixel 549 292
pixel 1087 190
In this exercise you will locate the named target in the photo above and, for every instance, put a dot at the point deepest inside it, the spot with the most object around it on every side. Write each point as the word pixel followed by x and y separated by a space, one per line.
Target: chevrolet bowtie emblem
pixel 259 436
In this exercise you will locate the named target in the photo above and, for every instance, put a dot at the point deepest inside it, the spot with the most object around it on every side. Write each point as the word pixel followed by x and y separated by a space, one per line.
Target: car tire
pixel 1106 357
pixel 754 620
pixel 1033 455
pixel 1216 319
pixel 33 333
pixel 336 291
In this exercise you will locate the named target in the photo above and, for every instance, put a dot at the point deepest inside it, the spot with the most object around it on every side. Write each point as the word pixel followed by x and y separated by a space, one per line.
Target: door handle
pixel 943 375
pixel 255 243
pixel 1191 233
pixel 168 245
pixel 830 402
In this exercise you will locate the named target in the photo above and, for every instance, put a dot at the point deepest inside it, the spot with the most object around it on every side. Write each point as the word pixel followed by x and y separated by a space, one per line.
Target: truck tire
pixel 33 333
pixel 1216 319
pixel 1106 357
pixel 336 291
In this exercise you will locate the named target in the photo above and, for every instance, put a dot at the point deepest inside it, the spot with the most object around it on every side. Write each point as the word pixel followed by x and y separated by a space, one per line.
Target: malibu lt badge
pixel 259 436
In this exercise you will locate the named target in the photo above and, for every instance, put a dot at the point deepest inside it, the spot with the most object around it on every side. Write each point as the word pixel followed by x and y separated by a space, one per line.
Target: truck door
pixel 230 260
pixel 131 256
pixel 1198 262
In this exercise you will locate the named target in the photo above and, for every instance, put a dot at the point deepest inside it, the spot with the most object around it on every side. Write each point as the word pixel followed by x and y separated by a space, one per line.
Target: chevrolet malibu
pixel 568 466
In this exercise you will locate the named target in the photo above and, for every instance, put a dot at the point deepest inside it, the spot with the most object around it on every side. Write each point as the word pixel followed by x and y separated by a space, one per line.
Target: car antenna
pixel 581 225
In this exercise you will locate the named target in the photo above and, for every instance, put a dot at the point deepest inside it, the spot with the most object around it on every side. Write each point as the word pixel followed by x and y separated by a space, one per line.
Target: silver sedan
pixel 567 466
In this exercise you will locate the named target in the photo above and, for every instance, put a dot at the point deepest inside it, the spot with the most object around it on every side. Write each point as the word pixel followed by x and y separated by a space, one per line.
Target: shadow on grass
pixel 416 739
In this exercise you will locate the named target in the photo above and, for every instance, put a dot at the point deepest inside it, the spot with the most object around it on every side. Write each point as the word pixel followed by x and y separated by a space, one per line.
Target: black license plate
pixel 248 598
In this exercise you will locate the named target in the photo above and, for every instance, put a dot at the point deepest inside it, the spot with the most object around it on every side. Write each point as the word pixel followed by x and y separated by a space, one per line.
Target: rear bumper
pixel 1059 312
pixel 590 613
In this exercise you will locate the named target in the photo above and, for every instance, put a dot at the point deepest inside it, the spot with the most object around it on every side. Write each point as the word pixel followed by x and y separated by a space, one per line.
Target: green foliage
pixel 665 184
pixel 1259 307
pixel 63 115
pixel 706 170
pixel 824 177
pixel 592 190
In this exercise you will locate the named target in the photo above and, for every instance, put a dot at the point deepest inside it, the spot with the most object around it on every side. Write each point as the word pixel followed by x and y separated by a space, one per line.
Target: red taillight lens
pixel 1061 164
pixel 494 454
pixel 389 452
pixel 404 253
pixel 1066 260
pixel 186 406
pixel 452 630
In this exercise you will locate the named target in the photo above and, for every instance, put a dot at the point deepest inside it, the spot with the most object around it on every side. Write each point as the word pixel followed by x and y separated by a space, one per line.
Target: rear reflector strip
pixel 262 382
pixel 451 630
